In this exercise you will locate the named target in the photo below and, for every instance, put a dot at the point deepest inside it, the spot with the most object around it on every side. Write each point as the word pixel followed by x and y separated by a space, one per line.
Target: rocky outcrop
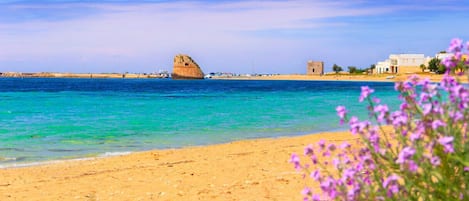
pixel 186 68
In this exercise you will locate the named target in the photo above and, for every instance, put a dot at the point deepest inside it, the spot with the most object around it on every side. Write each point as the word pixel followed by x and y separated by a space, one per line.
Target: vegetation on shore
pixel 426 157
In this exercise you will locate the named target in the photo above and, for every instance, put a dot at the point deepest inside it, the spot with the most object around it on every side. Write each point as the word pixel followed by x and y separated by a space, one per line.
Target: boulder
pixel 186 68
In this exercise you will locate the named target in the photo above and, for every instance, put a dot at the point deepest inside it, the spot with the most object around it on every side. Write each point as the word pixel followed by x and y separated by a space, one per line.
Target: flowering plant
pixel 419 152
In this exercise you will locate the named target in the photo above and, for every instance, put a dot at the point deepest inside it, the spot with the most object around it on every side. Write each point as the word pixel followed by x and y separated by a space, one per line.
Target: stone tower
pixel 186 68
pixel 315 68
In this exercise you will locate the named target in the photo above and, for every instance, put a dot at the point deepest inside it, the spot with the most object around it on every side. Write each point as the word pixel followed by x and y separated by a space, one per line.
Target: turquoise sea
pixel 54 119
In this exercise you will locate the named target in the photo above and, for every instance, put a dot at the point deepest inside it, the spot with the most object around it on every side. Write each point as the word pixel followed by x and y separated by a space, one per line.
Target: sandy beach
pixel 343 77
pixel 243 170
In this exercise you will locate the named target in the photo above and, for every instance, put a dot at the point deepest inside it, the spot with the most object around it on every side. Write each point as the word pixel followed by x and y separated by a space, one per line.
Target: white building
pixel 382 67
pixel 442 56
pixel 401 63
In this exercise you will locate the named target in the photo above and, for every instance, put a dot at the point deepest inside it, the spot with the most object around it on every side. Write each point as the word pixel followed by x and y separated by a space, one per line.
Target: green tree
pixel 433 65
pixel 441 69
pixel 352 69
pixel 461 66
pixel 336 68
pixel 423 67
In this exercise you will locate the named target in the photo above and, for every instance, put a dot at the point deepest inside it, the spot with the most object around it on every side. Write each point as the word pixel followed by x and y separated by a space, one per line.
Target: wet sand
pixel 243 170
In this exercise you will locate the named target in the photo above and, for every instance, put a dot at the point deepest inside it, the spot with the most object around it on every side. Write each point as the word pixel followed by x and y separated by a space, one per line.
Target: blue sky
pixel 228 36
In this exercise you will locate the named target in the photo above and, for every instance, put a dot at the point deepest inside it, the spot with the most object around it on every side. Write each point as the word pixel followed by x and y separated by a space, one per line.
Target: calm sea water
pixel 50 119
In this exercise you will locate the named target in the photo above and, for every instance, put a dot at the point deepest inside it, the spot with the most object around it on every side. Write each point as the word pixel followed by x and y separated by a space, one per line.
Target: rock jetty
pixel 186 68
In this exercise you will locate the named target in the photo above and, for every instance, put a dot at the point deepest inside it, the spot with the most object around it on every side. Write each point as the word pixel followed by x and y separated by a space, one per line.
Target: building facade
pixel 315 68
pixel 401 63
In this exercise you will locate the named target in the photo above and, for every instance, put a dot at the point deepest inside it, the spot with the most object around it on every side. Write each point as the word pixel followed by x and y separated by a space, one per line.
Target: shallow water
pixel 48 119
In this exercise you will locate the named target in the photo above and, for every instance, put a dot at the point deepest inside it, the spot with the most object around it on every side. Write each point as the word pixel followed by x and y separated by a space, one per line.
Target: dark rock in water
pixel 186 68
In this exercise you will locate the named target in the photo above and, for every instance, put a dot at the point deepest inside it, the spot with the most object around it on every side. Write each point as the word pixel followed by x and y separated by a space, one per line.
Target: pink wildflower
pixel 391 184
pixel 382 110
pixel 447 143
pixel 309 150
pixel 366 91
pixel 455 45
pixel 296 161
pixel 405 155
pixel 341 112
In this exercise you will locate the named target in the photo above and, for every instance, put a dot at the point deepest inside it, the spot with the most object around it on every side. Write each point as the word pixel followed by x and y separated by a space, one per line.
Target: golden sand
pixel 243 170
pixel 343 77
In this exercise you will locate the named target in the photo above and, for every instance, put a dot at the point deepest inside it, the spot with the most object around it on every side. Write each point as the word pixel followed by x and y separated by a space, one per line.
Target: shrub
pixel 419 152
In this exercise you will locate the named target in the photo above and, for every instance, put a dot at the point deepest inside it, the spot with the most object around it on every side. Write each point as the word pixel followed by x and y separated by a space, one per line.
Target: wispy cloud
pixel 146 33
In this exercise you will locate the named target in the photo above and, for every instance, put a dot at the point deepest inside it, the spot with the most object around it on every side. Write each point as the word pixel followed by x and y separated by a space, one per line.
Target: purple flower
pixel 466 169
pixel 405 155
pixel 306 191
pixel 322 143
pixel 424 82
pixel 357 126
pixel 376 100
pixel 435 160
pixel 447 82
pixel 424 97
pixel 348 176
pixel 346 160
pixel 399 118
pixel 391 184
pixel 316 197
pixel 398 86
pixel 447 143
pixel 374 139
pixel 382 110
pixel 296 161
pixel 336 162
pixel 366 91
pixel 437 123
pixel 418 132
pixel 354 125
pixel 456 115
pixel 345 145
pixel 341 112
pixel 328 186
pixel 455 45
pixel 449 62
pixel 309 150
pixel 427 108
pixel 326 153
pixel 315 175
pixel 412 166
pixel 331 147
pixel 368 161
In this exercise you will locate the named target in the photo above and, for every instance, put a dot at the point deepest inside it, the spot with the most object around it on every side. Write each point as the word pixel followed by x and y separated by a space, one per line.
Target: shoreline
pixel 298 77
pixel 343 77
pixel 54 161
pixel 103 155
pixel 253 169
pixel 84 75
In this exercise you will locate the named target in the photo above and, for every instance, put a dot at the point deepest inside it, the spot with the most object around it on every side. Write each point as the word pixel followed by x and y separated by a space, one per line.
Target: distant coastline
pixel 327 77
pixel 84 75
pixel 341 77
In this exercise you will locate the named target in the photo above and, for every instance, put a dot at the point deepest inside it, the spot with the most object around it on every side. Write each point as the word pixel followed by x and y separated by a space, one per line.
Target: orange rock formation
pixel 186 68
